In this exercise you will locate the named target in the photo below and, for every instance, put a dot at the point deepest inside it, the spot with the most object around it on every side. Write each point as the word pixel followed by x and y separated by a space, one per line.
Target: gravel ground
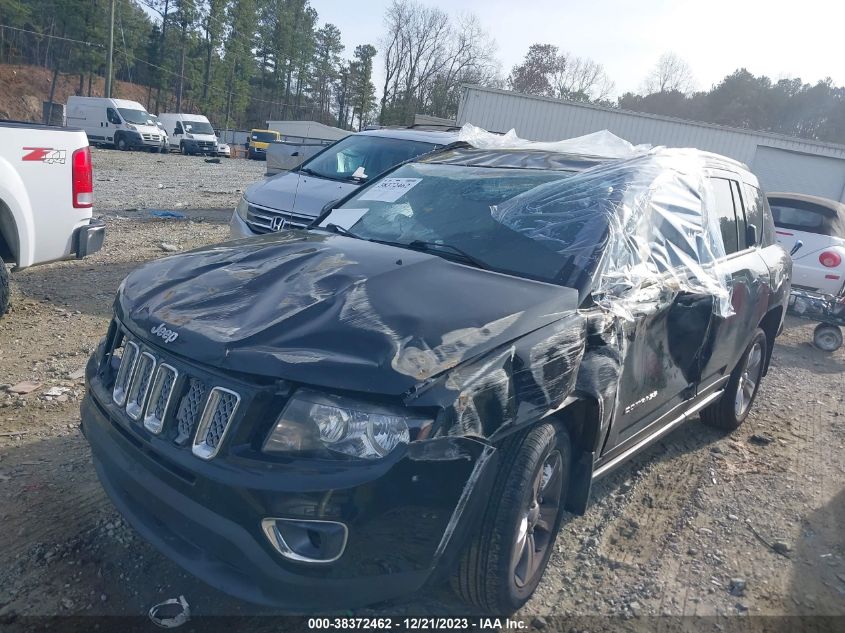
pixel 138 180
pixel 702 524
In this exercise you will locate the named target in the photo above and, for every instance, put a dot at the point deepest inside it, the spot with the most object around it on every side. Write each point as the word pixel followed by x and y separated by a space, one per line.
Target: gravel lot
pixel 702 524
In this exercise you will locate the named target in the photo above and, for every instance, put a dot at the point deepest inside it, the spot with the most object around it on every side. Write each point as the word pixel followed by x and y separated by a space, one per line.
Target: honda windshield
pixel 358 158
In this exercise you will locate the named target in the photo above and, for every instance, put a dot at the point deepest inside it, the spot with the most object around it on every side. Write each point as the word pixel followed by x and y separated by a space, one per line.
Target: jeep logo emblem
pixel 277 223
pixel 168 336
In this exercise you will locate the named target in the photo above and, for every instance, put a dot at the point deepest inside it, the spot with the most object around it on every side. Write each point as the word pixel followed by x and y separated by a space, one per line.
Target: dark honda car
pixel 418 386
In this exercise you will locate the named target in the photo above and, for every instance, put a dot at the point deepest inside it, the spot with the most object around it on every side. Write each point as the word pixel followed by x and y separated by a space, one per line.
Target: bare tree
pixel 670 74
pixel 580 79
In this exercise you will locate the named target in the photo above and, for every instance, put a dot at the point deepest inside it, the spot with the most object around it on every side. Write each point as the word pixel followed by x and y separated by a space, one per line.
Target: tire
pixel 121 144
pixel 495 573
pixel 827 337
pixel 729 412
pixel 5 289
pixel 183 150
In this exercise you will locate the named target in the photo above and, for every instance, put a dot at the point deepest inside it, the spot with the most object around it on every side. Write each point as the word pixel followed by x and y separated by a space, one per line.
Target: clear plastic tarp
pixel 651 208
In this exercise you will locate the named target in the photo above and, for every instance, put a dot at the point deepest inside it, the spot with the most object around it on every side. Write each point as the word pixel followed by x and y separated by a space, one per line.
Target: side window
pixel 754 201
pixel 741 220
pixel 724 202
pixel 767 237
pixel 178 128
pixel 112 116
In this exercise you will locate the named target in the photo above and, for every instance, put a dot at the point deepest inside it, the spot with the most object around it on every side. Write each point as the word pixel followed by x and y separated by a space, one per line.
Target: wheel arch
pixel 582 421
pixel 771 324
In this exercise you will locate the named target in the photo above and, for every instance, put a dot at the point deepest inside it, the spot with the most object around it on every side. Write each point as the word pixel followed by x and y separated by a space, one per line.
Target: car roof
pixel 435 137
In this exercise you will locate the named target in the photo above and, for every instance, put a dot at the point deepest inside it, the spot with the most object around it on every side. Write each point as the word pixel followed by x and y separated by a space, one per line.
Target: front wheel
pixel 121 144
pixel 729 411
pixel 505 562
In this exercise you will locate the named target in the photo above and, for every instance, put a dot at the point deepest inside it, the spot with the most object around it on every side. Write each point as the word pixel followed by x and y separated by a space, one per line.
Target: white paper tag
pixel 390 189
pixel 343 217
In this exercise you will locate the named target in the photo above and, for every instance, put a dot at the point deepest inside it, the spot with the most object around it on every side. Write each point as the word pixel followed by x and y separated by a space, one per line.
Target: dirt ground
pixel 703 523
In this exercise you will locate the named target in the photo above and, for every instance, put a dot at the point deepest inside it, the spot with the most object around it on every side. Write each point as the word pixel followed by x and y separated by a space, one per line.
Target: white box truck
pixel 190 133
pixel 115 122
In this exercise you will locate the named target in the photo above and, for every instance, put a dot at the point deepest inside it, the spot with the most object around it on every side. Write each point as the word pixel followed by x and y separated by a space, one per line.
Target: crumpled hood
pixel 332 311
pixel 297 192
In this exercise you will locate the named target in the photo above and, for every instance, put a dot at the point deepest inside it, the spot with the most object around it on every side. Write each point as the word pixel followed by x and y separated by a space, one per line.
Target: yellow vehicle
pixel 258 142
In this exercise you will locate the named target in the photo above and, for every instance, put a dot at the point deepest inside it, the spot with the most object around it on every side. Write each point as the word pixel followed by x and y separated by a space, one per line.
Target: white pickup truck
pixel 46 198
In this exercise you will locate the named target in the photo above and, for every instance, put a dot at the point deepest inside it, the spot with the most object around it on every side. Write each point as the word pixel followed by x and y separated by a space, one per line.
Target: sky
pixel 715 37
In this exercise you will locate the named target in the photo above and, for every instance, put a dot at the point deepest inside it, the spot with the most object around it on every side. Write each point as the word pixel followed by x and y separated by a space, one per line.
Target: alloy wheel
pixel 748 380
pixel 535 531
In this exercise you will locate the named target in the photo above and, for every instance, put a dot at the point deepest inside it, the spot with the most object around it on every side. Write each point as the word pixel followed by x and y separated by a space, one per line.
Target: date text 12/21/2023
pixel 416 624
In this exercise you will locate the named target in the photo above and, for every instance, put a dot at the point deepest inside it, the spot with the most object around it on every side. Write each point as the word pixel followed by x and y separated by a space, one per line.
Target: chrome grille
pixel 127 367
pixel 189 409
pixel 140 385
pixel 264 220
pixel 160 394
pixel 216 416
pixel 151 137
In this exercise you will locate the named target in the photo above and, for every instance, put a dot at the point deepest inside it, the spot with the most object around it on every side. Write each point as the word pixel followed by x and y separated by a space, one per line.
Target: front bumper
pixel 88 239
pixel 407 516
pixel 200 147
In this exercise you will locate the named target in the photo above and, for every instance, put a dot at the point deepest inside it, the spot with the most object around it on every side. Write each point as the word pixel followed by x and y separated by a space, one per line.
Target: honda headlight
pixel 242 208
pixel 313 421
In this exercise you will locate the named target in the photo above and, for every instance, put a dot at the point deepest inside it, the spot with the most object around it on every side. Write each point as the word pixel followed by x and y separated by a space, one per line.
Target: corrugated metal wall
pixel 544 119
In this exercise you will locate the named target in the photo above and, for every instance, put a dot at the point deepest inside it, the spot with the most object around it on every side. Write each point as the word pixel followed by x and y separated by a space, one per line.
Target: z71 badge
pixel 47 155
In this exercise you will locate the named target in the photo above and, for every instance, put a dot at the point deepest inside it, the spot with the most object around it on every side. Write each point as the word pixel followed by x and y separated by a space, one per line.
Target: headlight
pixel 313 421
pixel 189 136
pixel 242 208
pixel 129 126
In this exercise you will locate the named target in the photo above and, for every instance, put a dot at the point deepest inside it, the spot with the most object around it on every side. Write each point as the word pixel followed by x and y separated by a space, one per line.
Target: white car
pixel 223 149
pixel 819 264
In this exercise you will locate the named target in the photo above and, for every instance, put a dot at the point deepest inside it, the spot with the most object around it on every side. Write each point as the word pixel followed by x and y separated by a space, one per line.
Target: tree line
pixel 243 62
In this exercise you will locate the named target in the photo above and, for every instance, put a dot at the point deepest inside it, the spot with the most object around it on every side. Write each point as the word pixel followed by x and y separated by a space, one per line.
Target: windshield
pixel 198 127
pixel 359 157
pixel 138 117
pixel 264 137
pixel 157 121
pixel 453 207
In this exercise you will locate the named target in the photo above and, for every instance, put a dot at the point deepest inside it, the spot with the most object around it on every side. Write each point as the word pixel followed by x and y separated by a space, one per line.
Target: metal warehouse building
pixel 782 163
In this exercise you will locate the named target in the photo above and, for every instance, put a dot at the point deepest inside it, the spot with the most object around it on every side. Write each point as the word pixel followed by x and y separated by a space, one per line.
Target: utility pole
pixel 111 51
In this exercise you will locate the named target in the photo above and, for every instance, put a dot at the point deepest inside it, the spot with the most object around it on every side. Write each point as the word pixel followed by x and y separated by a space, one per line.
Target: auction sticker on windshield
pixel 390 189
pixel 343 217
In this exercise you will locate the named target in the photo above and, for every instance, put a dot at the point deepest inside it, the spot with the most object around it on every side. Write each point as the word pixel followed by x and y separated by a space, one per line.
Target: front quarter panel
pixel 509 387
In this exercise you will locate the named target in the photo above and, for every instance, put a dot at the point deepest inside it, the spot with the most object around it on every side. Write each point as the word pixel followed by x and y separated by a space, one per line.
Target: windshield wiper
pixel 420 245
pixel 336 228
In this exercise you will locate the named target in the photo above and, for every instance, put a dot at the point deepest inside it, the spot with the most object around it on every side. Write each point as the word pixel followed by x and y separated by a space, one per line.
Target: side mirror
pixel 796 247
pixel 751 235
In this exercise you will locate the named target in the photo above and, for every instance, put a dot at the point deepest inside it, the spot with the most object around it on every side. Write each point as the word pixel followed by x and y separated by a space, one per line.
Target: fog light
pixel 306 541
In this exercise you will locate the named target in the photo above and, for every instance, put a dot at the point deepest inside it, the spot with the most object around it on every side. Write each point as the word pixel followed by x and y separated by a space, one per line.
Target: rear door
pixel 750 285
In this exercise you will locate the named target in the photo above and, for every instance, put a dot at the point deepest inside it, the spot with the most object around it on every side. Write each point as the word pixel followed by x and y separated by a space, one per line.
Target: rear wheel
pixel 505 562
pixel 5 289
pixel 827 337
pixel 729 411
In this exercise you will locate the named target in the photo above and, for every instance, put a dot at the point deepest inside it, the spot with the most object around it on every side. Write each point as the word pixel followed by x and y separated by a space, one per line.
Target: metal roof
pixel 801 144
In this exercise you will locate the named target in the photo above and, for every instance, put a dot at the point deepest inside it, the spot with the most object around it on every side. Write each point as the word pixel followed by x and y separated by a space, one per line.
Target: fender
pixel 14 196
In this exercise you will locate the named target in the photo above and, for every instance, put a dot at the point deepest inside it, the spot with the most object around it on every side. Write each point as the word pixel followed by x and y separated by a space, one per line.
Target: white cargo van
pixel 189 133
pixel 117 122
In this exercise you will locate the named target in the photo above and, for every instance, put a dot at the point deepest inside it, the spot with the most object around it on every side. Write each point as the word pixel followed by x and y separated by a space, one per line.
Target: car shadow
pixel 817 585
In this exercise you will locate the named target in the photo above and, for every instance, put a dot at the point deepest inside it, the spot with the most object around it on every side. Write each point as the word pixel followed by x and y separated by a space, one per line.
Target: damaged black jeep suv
pixel 421 384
